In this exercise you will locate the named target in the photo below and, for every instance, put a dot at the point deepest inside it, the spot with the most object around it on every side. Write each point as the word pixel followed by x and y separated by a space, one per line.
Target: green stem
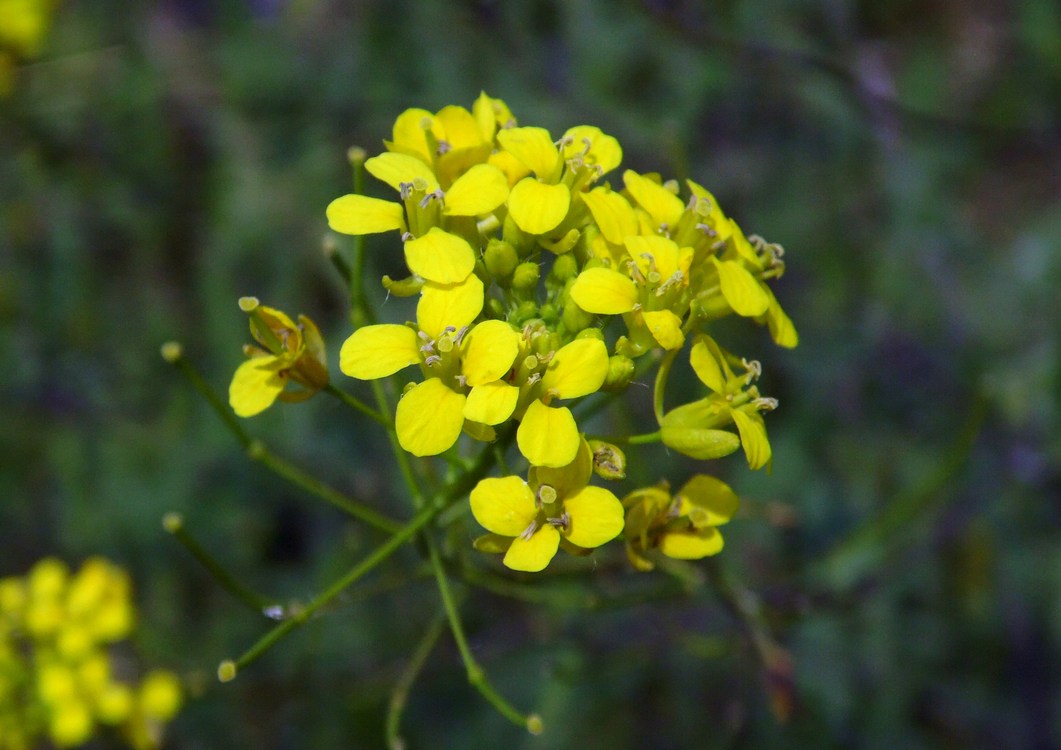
pixel 380 554
pixel 476 674
pixel 174 524
pixel 643 439
pixel 356 405
pixel 661 383
pixel 258 452
pixel 408 676
pixel 222 409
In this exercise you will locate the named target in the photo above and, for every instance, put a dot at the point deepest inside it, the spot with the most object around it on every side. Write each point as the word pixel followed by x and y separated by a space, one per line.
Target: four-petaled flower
pixel 528 520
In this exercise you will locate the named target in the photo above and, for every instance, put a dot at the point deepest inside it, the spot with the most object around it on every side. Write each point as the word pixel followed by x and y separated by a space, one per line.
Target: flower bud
pixel 620 373
pixel 574 317
pixel 609 462
pixel 564 267
pixel 500 259
pixel 406 287
pixel 525 277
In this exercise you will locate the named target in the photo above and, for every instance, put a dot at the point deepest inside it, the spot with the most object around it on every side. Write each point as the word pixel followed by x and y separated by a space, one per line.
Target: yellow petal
pixel 548 436
pixel 692 544
pixel 455 305
pixel 532 555
pixel 514 169
pixel 503 505
pixel 538 208
pixel 595 517
pixel 429 418
pixel 378 351
pixel 534 147
pixel 706 366
pixel 480 190
pixel 398 169
pixel 577 369
pixel 410 134
pixel 653 251
pixel 491 403
pixel 613 214
pixel 604 291
pixel 666 328
pixel 440 257
pixel 708 501
pixel 662 205
pixel 489 350
pixel 459 127
pixel 604 150
pixel 359 214
pixel 742 291
pixel 782 329
pixel 752 431
pixel 255 386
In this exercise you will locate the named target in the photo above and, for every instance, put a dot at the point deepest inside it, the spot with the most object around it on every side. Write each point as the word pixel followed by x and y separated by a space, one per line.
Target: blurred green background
pixel 162 159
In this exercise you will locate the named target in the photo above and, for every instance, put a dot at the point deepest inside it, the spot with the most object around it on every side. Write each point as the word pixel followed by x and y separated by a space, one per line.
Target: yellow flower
pixel 694 428
pixel 683 526
pixel 463 366
pixel 291 354
pixel 548 435
pixel 528 520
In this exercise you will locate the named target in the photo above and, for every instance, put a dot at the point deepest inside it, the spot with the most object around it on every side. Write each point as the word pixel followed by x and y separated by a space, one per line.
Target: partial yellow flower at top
pixel 290 353
pixel 463 366
pixel 528 519
pixel 683 526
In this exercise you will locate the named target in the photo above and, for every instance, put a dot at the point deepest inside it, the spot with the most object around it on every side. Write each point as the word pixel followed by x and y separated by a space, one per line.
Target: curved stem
pixel 400 695
pixel 356 405
pixel 661 383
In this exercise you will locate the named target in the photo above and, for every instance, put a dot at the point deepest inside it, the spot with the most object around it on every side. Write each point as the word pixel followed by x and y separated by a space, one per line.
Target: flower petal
pixel 429 418
pixel 480 190
pixel 707 501
pixel 410 134
pixel 534 147
pixel 548 436
pixel 577 369
pixel 538 208
pixel 398 169
pixel 503 505
pixel 491 403
pixel 489 351
pixel 604 291
pixel 752 431
pixel 653 251
pixel 454 305
pixel 595 517
pixel 666 328
pixel 662 205
pixel 440 257
pixel 359 214
pixel 613 213
pixel 692 544
pixel 459 126
pixel 255 386
pixel 742 291
pixel 532 555
pixel 377 351
pixel 706 365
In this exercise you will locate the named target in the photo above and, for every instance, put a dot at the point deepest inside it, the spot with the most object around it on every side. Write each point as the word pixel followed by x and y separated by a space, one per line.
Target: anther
pixel 529 531
pixel 433 360
pixel 707 230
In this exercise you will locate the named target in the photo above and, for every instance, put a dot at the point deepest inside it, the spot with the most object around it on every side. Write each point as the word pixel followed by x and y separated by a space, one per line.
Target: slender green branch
pixel 643 439
pixel 174 524
pixel 400 695
pixel 173 353
pixel 476 674
pixel 377 417
pixel 660 387
pixel 381 553
pixel 258 452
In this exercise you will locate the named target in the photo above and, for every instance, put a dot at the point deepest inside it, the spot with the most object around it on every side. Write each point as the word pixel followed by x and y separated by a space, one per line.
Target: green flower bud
pixel 525 277
pixel 620 373
pixel 406 287
pixel 574 317
pixel 500 259
pixel 609 462
pixel 564 267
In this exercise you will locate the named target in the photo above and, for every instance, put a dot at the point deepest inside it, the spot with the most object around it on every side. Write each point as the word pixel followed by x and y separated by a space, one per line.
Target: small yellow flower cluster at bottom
pixel 56 678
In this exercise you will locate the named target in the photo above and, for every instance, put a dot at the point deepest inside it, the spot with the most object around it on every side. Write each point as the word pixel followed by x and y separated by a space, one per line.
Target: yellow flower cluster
pixel 56 680
pixel 541 282
pixel 23 25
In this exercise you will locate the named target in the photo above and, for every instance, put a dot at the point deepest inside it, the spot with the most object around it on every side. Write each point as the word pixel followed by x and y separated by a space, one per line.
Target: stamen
pixel 754 368
pixel 458 337
pixel 443 147
pixel 529 531
pixel 462 380
pixel 563 522
pixel 433 360
pixel 436 195
pixel 707 230
pixel 406 236
pixel 534 378
pixel 765 403
pixel 405 190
